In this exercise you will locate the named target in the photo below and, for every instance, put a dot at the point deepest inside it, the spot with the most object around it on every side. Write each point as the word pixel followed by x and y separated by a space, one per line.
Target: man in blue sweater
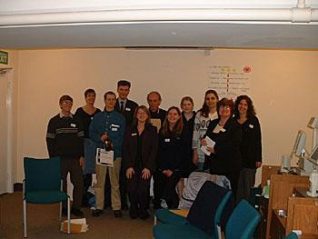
pixel 109 126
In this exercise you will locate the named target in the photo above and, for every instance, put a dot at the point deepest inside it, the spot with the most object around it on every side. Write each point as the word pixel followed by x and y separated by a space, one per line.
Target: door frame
pixel 8 72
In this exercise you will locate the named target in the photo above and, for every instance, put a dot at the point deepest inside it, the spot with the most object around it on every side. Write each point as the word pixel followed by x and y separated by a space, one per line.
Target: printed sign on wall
pixel 229 81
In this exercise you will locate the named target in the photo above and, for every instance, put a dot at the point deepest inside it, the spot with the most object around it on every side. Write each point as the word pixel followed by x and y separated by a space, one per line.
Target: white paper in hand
pixel 104 157
pixel 209 143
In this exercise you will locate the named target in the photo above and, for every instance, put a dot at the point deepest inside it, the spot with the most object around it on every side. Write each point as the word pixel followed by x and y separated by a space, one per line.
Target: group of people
pixel 149 142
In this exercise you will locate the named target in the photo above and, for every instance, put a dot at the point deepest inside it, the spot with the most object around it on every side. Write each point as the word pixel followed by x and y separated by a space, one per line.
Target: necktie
pixel 121 106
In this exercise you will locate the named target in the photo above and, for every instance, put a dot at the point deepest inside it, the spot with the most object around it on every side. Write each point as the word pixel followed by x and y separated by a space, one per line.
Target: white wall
pixel 283 87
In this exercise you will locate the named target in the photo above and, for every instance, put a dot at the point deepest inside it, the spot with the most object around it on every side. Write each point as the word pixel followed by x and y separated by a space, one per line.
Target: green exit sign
pixel 4 57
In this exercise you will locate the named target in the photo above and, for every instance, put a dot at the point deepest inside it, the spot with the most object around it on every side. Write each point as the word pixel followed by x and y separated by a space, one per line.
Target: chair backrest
pixel 42 174
pixel 242 222
pixel 205 212
pixel 291 235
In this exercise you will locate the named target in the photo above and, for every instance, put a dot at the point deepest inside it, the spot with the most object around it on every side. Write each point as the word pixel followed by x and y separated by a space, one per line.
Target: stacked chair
pixel 242 222
pixel 203 219
pixel 205 216
pixel 291 235
pixel 43 185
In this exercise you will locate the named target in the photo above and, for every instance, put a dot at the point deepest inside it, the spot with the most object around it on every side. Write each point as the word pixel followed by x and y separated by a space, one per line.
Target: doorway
pixel 6 184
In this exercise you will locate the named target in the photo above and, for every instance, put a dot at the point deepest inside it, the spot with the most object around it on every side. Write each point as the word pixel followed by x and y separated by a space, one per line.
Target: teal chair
pixel 205 213
pixel 291 235
pixel 242 222
pixel 43 185
pixel 203 219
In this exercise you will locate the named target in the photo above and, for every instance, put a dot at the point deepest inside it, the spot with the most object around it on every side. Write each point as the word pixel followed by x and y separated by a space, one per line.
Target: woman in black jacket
pixel 171 157
pixel 139 155
pixel 251 146
pixel 225 157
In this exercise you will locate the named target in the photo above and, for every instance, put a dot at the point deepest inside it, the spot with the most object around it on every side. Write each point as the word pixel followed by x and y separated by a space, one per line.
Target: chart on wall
pixel 230 81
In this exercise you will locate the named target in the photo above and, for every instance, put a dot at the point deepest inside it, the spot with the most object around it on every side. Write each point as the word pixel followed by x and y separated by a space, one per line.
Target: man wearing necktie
pixel 127 108
pixel 123 105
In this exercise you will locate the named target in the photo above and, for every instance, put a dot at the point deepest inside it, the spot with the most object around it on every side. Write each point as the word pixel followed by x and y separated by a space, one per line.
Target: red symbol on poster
pixel 247 69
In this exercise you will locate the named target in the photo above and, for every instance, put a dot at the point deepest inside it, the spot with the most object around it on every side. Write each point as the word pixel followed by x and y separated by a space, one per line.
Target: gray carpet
pixel 43 223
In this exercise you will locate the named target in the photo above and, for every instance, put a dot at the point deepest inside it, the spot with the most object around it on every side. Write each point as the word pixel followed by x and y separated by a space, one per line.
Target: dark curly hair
pixel 250 107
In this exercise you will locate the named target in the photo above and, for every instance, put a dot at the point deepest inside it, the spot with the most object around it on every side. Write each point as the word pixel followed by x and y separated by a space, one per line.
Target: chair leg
pixel 60 212
pixel 68 216
pixel 24 219
pixel 219 231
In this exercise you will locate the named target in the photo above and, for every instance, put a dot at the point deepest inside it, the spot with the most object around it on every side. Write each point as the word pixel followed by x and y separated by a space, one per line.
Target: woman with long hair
pixel 202 119
pixel 251 146
pixel 171 157
pixel 139 155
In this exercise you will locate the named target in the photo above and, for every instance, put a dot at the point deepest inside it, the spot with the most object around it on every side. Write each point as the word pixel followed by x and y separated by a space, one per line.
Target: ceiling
pixel 163 34
pixel 282 24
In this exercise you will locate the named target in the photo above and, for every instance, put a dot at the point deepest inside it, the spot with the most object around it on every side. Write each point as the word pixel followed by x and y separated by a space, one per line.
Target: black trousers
pixel 123 187
pixel 165 188
pixel 234 180
pixel 72 166
pixel 138 193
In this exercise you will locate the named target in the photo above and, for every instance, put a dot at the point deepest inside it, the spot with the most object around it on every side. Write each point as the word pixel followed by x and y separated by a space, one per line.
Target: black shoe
pixel 77 212
pixel 144 215
pixel 117 213
pixel 133 214
pixel 157 206
pixel 124 206
pixel 97 212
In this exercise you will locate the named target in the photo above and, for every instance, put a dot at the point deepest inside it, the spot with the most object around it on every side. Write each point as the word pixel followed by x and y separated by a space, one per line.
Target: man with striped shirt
pixel 64 139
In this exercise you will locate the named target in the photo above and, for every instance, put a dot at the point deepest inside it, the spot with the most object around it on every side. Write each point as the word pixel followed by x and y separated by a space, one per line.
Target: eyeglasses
pixel 226 107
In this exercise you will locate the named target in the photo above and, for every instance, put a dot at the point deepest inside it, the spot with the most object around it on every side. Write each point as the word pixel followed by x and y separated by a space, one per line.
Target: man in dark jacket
pixel 64 139
pixel 127 108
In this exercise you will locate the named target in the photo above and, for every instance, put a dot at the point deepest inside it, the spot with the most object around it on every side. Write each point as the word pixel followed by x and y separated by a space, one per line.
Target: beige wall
pixel 283 87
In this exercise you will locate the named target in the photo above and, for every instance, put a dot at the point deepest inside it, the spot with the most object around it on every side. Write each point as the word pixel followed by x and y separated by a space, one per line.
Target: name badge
pixel 251 126
pixel 167 140
pixel 114 129
pixel 114 125
pixel 134 134
pixel 222 130
pixel 128 109
pixel 73 125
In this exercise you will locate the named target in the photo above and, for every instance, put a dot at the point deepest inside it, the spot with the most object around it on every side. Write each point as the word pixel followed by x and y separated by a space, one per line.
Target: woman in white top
pixel 202 119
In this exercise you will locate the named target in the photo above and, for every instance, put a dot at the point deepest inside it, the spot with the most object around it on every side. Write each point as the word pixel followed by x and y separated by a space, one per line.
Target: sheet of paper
pixel 209 143
pixel 104 157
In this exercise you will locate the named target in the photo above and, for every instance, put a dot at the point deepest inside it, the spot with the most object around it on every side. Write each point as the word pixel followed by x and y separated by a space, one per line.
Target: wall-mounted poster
pixel 229 81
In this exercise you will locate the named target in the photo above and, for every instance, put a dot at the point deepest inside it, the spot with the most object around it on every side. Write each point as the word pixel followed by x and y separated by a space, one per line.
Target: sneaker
pixel 77 212
pixel 117 213
pixel 97 212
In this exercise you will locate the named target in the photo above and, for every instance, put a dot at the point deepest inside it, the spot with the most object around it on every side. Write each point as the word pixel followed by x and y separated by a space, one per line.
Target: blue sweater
pixel 112 123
